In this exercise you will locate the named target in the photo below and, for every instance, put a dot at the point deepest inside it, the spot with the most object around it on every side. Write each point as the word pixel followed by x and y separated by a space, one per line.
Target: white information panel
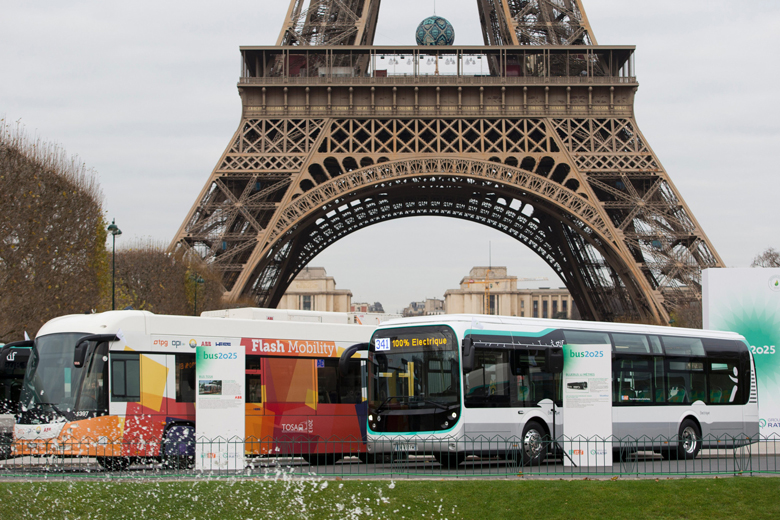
pixel 747 301
pixel 219 405
pixel 587 401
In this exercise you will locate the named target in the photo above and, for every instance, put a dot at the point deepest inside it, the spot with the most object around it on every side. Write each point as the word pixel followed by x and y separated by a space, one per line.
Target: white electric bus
pixel 437 382
pixel 121 386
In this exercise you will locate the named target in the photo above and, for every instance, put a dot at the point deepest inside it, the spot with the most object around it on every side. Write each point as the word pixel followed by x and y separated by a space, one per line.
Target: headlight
pixel 370 418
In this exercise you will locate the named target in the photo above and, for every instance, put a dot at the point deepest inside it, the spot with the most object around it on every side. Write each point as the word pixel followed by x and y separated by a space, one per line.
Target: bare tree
pixel 769 258
pixel 53 259
pixel 149 278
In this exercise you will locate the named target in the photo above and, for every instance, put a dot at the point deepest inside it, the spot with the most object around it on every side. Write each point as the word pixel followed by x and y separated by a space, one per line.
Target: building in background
pixel 490 290
pixel 427 307
pixel 314 290
pixel 375 307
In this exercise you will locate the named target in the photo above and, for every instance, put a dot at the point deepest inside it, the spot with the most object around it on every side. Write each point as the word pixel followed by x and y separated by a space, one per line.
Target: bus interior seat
pixel 716 394
pixel 698 395
pixel 659 395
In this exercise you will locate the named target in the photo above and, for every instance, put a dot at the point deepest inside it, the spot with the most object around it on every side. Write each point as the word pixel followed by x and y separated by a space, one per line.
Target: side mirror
pixel 80 354
pixel 553 360
pixel 468 355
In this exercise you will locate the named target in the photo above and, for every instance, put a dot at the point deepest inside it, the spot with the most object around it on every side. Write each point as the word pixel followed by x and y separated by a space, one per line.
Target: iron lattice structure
pixel 544 148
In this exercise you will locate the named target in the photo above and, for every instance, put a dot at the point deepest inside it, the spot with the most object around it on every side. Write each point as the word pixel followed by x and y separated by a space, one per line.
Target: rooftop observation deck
pixel 470 65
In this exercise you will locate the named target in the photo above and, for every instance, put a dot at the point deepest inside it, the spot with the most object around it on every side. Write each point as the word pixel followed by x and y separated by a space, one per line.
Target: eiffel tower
pixel 542 145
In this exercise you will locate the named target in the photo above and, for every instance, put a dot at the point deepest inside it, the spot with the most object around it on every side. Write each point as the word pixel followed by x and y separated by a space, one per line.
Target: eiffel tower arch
pixel 542 146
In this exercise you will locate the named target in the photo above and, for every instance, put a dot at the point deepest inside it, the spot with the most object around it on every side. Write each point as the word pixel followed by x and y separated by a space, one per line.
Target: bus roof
pixel 144 322
pixel 492 322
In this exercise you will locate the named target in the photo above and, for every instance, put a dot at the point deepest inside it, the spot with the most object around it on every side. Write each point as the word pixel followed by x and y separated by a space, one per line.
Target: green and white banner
pixel 587 401
pixel 219 405
pixel 747 301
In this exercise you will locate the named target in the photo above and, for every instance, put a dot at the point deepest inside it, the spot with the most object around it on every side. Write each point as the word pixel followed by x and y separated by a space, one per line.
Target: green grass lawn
pixel 709 498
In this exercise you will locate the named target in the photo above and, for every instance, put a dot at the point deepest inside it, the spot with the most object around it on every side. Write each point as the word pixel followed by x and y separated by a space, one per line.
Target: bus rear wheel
pixel 689 443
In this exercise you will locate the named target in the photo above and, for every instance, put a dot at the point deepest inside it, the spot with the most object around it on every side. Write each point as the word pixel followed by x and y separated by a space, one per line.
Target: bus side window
pixel 660 387
pixel 724 382
pixel 334 389
pixel 125 378
pixel 254 379
pixel 185 378
pixel 327 381
pixel 488 385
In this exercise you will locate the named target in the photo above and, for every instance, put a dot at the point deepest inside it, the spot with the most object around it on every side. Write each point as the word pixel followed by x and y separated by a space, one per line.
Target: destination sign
pixel 414 340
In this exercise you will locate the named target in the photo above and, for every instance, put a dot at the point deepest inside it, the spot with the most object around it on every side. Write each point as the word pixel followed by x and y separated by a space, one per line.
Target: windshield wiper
pixel 52 405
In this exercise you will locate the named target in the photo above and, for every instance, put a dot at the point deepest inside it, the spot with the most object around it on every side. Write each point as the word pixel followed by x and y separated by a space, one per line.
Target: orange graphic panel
pixel 290 380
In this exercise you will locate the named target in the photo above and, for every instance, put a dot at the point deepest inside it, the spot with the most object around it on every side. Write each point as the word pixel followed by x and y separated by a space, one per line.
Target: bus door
pixel 138 384
pixel 258 430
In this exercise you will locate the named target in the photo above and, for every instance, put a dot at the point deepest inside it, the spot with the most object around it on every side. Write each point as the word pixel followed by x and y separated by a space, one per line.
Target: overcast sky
pixel 145 93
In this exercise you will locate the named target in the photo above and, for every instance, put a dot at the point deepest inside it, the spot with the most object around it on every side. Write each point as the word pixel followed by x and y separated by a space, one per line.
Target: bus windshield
pixel 52 382
pixel 414 379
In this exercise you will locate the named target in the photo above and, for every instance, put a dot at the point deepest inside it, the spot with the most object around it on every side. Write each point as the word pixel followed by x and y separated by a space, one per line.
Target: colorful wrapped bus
pixel 121 386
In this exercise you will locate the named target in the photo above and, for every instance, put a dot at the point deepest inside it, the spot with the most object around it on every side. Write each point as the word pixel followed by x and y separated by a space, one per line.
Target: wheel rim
pixel 689 441
pixel 532 443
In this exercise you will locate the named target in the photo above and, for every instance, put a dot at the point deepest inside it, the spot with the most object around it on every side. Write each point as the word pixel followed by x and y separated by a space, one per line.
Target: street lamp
pixel 115 231
pixel 198 282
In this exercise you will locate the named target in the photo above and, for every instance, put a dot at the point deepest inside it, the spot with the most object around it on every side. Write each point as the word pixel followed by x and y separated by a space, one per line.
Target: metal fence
pixel 417 457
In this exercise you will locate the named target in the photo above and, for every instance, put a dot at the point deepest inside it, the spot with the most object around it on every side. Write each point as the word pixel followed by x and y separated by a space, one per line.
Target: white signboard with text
pixel 587 402
pixel 747 301
pixel 220 412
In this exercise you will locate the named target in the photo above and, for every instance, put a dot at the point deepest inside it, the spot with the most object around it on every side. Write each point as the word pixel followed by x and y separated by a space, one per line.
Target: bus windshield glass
pixel 414 373
pixel 52 382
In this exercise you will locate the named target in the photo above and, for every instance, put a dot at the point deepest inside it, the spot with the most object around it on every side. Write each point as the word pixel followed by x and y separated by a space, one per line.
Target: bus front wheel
pixel 534 446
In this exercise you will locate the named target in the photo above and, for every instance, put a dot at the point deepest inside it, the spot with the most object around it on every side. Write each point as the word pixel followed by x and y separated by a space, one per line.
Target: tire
pixel 534 444
pixel 689 443
pixel 114 463
pixel 179 447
